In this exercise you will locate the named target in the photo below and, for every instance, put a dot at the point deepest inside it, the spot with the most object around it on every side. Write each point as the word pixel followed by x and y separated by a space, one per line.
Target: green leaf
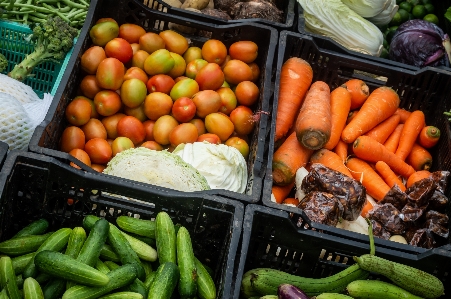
pixel 448 14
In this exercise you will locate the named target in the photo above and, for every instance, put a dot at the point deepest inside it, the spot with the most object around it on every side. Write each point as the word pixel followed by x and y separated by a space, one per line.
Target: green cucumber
pixel 66 267
pixel 123 295
pixel 333 296
pixel 377 289
pixel 76 240
pixel 149 280
pixel 19 281
pixel 206 288
pixel 411 279
pixel 118 278
pixel 54 289
pixel 165 281
pixel 107 253
pixel 136 286
pixel 4 294
pixel 166 238
pixel 37 227
pixel 42 277
pixel 32 289
pixel 147 267
pixel 148 241
pixel 90 252
pixel 143 250
pixel 21 261
pixel 102 267
pixel 23 245
pixel 145 228
pixel 55 242
pixel 187 285
pixel 111 265
pixel 8 278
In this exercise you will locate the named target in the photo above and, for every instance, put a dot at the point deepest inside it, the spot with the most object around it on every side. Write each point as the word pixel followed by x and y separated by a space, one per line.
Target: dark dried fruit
pixel 321 207
pixel 419 193
pixel 437 223
pixel 379 231
pixel 422 238
pixel 438 201
pixel 411 213
pixel 396 197
pixel 441 179
pixel 389 217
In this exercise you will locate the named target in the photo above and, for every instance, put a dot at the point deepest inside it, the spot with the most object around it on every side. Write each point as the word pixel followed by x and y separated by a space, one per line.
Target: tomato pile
pixel 155 90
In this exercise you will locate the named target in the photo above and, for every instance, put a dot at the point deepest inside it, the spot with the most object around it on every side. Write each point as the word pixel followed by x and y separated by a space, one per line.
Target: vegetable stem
pixel 370 235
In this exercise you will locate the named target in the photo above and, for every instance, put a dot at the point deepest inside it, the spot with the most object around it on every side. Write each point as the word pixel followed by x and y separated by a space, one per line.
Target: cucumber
pixel 37 227
pixel 410 279
pixel 107 253
pixel 206 288
pixel 147 267
pixel 149 280
pixel 21 261
pixel 8 278
pixel 376 289
pixel 166 238
pixel 138 286
pixel 143 250
pixel 187 285
pixel 4 294
pixel 32 289
pixel 145 228
pixel 118 278
pixel 265 281
pixel 42 277
pixel 90 252
pixel 148 241
pixel 111 265
pixel 76 240
pixel 333 296
pixel 66 267
pixel 55 242
pixel 19 281
pixel 23 245
pixel 102 267
pixel 123 295
pixel 54 289
pixel 166 278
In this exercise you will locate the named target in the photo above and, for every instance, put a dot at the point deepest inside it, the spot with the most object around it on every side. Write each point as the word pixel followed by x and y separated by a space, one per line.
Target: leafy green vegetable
pixel 448 14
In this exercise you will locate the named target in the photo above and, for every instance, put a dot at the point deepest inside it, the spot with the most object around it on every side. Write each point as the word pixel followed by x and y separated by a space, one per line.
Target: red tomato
pixel 148 127
pixel 209 137
pixel 183 133
pixel 153 145
pixel 160 83
pixel 131 127
pixel 137 73
pixel 183 109
pixel 107 102
pixel 91 59
pixel 110 124
pixel 99 150
pixel 72 137
pixel 94 129
pixel 131 32
pixel 242 119
pixel 89 86
pixel 81 155
pixel 110 74
pixel 121 144
pixel 78 112
pixel 120 49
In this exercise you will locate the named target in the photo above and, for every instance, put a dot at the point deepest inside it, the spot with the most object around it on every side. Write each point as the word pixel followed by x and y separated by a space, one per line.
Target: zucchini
pixel 166 238
pixel 411 279
pixel 145 228
pixel 32 289
pixel 76 240
pixel 149 280
pixel 265 281
pixel 37 227
pixel 66 267
pixel 54 289
pixel 206 288
pixel 8 278
pixel 102 267
pixel 23 245
pixel 107 253
pixel 187 285
pixel 378 289
pixel 143 250
pixel 55 242
pixel 163 285
pixel 118 278
pixel 123 295
pixel 21 261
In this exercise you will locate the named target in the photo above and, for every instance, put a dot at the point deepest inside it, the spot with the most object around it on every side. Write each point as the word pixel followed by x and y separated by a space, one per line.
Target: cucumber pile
pixel 102 260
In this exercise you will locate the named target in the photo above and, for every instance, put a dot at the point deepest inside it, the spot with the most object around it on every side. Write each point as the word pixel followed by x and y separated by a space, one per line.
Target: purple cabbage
pixel 420 43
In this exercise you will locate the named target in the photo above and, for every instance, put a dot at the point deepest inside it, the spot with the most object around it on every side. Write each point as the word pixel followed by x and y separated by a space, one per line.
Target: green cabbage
pixel 333 19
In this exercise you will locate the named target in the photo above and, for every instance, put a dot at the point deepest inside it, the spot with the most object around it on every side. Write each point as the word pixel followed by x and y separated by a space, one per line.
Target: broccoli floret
pixel 52 40
pixel 3 63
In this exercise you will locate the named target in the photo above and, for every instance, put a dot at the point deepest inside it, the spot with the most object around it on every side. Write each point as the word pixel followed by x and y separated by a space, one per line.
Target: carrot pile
pixel 361 133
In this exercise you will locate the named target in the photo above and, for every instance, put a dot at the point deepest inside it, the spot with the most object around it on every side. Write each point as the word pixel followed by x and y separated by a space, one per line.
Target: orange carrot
pixel 389 176
pixel 417 176
pixel 291 201
pixel 382 131
pixel 373 183
pixel 404 114
pixel 313 126
pixel 412 128
pixel 340 103
pixel 342 150
pixel 296 76
pixel 370 150
pixel 288 158
pixel 393 140
pixel 429 136
pixel 419 158
pixel 380 105
pixel 366 208
pixel 331 160
pixel 281 192
pixel 351 115
pixel 359 92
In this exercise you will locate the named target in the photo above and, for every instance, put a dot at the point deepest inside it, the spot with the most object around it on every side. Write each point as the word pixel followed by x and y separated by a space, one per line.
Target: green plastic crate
pixel 13 45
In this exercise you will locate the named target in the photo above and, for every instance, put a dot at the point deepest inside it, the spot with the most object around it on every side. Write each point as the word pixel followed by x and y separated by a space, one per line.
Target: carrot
pixel 281 192
pixel 393 140
pixel 412 128
pixel 370 150
pixel 291 201
pixel 288 158
pixel 342 150
pixel 389 176
pixel 417 176
pixel 296 76
pixel 331 160
pixel 351 115
pixel 428 136
pixel 380 105
pixel 419 158
pixel 404 114
pixel 340 103
pixel 373 183
pixel 366 208
pixel 313 126
pixel 382 131
pixel 359 92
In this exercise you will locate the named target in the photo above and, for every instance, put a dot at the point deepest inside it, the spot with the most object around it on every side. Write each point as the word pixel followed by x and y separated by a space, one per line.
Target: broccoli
pixel 3 63
pixel 52 40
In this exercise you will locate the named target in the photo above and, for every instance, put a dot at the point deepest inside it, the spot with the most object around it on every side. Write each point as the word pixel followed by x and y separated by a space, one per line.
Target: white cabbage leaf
pixel 333 19
pixel 386 15
pixel 367 8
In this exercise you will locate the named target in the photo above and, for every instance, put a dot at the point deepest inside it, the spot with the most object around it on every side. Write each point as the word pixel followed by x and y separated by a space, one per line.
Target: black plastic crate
pixel 46 137
pixel 3 151
pixel 271 239
pixel 427 89
pixel 288 7
pixel 33 186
